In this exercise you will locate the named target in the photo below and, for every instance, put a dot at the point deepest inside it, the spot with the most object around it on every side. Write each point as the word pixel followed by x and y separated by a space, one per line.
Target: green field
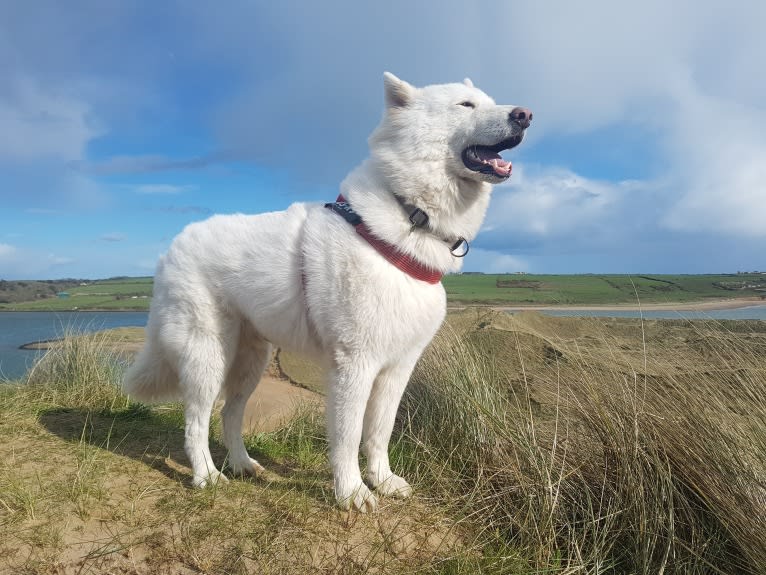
pixel 475 289
pixel 529 289
pixel 113 294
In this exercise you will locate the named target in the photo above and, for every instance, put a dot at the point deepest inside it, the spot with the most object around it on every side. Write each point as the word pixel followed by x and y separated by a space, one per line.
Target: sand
pixel 708 305
pixel 274 401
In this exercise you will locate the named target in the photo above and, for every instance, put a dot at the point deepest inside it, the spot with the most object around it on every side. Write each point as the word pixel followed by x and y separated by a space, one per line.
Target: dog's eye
pixel 467 104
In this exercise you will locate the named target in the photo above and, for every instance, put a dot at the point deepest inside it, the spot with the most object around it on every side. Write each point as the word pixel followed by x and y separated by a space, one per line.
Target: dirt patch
pixel 274 402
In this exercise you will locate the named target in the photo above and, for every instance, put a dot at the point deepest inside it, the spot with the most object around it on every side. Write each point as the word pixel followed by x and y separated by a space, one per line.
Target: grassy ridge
pixel 534 444
pixel 466 289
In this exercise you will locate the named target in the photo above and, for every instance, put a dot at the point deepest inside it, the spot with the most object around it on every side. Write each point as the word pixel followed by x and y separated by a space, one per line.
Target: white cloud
pixel 583 65
pixel 6 251
pixel 682 79
pixel 692 88
pixel 553 202
pixel 113 237
pixel 493 262
pixel 43 122
pixel 146 164
pixel 162 189
pixel 720 169
pixel 20 263
pixel 57 260
pixel 45 185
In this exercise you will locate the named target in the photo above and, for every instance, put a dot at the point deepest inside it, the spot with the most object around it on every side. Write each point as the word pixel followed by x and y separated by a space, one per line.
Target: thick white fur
pixel 232 287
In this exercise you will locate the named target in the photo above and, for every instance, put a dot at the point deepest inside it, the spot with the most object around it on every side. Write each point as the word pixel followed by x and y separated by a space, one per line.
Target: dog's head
pixel 447 130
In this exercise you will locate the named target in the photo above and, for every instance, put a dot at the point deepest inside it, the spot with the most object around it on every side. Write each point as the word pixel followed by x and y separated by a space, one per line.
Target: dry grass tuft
pixel 80 370
pixel 592 460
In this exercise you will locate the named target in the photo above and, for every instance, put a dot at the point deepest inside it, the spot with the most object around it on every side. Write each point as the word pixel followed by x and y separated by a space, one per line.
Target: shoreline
pixel 705 305
pixel 41 344
pixel 699 305
pixel 89 310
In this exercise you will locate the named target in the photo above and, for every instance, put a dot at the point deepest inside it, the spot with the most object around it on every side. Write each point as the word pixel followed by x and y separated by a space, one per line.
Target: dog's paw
pixel 213 478
pixel 394 486
pixel 248 467
pixel 359 497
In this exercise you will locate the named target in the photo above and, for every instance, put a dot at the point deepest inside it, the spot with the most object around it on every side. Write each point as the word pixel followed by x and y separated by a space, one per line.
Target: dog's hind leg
pixel 253 354
pixel 379 423
pixel 201 375
pixel 348 390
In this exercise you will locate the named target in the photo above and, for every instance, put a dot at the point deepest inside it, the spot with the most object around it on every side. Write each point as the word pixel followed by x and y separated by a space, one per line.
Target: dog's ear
pixel 398 92
pixel 468 82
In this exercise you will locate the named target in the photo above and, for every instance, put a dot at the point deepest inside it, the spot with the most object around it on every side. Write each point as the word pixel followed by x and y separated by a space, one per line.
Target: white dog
pixel 354 284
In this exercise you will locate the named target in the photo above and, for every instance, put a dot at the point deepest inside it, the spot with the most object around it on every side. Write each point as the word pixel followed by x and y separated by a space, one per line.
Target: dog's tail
pixel 151 378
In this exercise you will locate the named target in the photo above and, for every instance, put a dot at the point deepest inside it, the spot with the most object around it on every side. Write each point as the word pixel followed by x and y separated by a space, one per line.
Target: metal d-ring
pixel 460 243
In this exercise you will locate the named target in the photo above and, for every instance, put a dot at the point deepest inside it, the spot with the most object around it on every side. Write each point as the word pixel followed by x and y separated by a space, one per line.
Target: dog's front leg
pixel 349 388
pixel 378 425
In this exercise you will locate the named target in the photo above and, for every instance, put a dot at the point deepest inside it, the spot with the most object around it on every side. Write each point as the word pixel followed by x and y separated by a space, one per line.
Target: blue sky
pixel 121 122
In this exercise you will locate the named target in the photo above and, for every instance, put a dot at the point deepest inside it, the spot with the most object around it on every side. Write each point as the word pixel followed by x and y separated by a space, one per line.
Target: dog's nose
pixel 522 116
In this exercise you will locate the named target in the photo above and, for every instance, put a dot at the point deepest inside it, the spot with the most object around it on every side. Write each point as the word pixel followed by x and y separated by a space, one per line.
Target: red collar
pixel 404 262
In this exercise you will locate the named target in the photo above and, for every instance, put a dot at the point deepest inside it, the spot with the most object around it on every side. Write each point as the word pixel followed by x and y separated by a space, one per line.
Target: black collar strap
pixel 419 219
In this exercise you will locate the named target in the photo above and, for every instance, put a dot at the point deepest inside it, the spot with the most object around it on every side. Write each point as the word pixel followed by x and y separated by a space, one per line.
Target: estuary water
pixel 19 327
pixel 750 312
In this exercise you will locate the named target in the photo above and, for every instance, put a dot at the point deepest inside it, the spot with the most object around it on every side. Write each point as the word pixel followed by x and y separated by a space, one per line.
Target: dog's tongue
pixel 501 167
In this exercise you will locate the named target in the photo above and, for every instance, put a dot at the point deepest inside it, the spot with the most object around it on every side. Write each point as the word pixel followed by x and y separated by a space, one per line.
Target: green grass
pixel 126 286
pixel 530 289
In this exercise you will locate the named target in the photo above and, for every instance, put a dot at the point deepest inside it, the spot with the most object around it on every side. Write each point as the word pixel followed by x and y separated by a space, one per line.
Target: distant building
pixel 62 295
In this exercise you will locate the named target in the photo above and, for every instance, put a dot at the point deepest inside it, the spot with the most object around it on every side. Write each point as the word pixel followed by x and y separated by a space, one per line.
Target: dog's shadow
pixel 157 440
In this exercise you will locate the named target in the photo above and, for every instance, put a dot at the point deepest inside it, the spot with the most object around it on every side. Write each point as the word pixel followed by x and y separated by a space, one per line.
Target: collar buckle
pixel 418 218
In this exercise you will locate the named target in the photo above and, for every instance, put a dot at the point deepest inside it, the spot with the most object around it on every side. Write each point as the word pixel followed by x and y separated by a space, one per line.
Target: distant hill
pixel 126 293
pixel 31 290
pixel 71 294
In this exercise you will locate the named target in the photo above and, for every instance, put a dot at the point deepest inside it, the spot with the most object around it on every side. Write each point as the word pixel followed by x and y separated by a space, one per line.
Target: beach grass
pixel 592 455
pixel 534 445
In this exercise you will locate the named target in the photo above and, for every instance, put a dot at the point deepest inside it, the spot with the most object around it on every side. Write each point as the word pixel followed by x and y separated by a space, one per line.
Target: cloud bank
pixel 648 147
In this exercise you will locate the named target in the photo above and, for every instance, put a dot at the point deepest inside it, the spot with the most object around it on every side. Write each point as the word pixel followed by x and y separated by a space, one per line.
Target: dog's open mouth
pixel 487 160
